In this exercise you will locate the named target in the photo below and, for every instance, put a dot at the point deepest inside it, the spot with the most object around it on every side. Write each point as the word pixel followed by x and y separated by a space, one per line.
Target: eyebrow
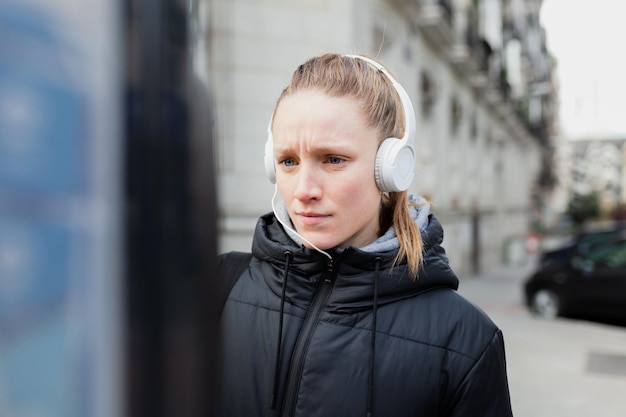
pixel 323 149
pixel 330 149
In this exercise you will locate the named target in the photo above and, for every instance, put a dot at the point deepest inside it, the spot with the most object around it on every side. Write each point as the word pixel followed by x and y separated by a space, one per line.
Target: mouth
pixel 311 219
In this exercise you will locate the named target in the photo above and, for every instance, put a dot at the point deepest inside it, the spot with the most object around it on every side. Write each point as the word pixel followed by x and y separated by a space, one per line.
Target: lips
pixel 311 219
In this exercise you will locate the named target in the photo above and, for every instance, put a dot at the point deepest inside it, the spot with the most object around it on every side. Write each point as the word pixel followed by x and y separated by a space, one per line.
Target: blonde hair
pixel 340 76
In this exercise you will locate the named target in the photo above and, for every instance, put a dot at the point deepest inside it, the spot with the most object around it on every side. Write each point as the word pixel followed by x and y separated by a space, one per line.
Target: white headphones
pixel 395 159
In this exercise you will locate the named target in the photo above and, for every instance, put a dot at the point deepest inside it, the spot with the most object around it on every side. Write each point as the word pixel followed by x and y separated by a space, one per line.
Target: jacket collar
pixel 352 269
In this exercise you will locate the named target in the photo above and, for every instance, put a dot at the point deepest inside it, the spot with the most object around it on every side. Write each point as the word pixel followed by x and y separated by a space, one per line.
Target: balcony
pixel 471 60
pixel 435 21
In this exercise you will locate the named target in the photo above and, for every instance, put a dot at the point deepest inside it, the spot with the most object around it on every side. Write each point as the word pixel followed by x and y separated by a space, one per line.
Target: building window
pixel 473 127
pixel 427 93
pixel 456 114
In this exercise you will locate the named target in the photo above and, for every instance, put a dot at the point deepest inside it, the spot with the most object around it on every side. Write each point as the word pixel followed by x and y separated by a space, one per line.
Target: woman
pixel 348 306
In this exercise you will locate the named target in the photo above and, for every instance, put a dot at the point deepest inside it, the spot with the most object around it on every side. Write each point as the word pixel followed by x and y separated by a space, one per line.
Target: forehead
pixel 318 103
pixel 319 117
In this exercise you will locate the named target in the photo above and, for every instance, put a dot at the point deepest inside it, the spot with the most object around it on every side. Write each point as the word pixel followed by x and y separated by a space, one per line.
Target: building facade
pixel 477 71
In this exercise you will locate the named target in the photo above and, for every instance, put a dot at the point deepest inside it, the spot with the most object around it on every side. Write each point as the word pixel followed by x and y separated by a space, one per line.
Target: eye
pixel 288 162
pixel 334 160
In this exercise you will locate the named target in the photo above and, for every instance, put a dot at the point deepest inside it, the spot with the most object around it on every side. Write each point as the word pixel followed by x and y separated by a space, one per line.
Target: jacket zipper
pixel 304 339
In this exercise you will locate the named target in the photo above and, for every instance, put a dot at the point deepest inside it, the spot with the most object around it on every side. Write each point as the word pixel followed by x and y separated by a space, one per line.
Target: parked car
pixel 584 279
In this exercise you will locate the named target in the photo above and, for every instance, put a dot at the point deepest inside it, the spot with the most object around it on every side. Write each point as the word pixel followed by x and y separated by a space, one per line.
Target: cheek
pixel 361 195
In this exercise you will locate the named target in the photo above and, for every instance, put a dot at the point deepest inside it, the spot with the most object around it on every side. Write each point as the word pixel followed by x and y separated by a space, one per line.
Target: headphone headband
pixel 407 106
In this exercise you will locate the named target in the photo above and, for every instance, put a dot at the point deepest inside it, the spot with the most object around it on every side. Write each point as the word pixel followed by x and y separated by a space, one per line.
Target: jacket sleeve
pixel 484 391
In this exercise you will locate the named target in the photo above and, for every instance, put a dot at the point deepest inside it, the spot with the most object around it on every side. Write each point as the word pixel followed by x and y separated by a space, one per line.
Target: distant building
pixel 589 164
pixel 480 79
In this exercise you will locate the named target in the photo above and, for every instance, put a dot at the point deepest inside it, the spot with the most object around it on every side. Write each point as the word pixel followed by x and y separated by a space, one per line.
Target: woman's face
pixel 325 155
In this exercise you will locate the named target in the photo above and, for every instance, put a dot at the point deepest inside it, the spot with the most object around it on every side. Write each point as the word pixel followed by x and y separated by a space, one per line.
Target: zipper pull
pixel 331 265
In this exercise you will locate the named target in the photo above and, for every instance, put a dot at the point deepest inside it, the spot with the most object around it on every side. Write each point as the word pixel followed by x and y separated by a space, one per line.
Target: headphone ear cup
pixel 379 169
pixel 395 166
pixel 270 166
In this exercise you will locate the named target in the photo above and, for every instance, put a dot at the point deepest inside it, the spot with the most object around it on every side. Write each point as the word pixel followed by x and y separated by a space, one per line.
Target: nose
pixel 308 183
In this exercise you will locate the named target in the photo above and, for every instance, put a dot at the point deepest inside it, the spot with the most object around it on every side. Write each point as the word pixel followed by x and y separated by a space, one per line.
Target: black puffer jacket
pixel 432 352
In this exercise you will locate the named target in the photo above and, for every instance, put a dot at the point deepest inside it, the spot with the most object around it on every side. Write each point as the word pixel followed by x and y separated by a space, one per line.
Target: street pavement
pixel 558 367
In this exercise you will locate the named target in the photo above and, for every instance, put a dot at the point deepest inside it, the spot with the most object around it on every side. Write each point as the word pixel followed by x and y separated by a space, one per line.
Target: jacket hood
pixel 353 270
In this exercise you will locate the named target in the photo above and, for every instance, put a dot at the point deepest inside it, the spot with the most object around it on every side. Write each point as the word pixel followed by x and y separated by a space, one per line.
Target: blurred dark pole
pixel 170 218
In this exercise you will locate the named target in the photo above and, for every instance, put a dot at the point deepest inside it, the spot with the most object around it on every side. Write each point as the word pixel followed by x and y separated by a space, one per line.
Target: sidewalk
pixel 556 368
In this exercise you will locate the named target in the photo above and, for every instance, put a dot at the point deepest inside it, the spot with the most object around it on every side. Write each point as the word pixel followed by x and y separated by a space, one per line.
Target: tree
pixel 582 208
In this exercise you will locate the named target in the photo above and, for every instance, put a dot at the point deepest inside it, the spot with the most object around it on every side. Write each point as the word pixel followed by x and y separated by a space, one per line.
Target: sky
pixel 588 40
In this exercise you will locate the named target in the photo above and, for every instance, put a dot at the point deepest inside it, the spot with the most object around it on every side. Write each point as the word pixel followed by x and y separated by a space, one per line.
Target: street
pixel 556 367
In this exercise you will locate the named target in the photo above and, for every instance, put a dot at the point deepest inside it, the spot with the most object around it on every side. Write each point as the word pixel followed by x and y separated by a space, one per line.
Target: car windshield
pixel 610 254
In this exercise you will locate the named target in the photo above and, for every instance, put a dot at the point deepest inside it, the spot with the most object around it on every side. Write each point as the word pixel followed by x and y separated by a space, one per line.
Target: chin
pixel 319 246
pixel 320 243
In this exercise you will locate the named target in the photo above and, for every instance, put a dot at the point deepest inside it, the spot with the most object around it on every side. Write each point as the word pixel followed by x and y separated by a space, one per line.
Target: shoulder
pixel 444 319
pixel 465 317
pixel 230 266
pixel 233 263
pixel 471 329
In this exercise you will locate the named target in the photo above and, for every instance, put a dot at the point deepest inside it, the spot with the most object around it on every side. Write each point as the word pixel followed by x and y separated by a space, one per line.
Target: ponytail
pixel 407 232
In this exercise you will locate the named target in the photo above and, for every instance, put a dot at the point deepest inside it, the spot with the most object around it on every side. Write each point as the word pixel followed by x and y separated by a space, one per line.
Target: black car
pixel 585 279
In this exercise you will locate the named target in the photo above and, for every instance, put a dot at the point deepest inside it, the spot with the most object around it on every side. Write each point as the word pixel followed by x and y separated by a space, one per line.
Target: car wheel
pixel 546 304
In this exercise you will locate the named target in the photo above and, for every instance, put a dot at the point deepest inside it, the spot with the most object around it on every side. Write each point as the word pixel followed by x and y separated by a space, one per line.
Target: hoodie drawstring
pixel 280 332
pixel 372 360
